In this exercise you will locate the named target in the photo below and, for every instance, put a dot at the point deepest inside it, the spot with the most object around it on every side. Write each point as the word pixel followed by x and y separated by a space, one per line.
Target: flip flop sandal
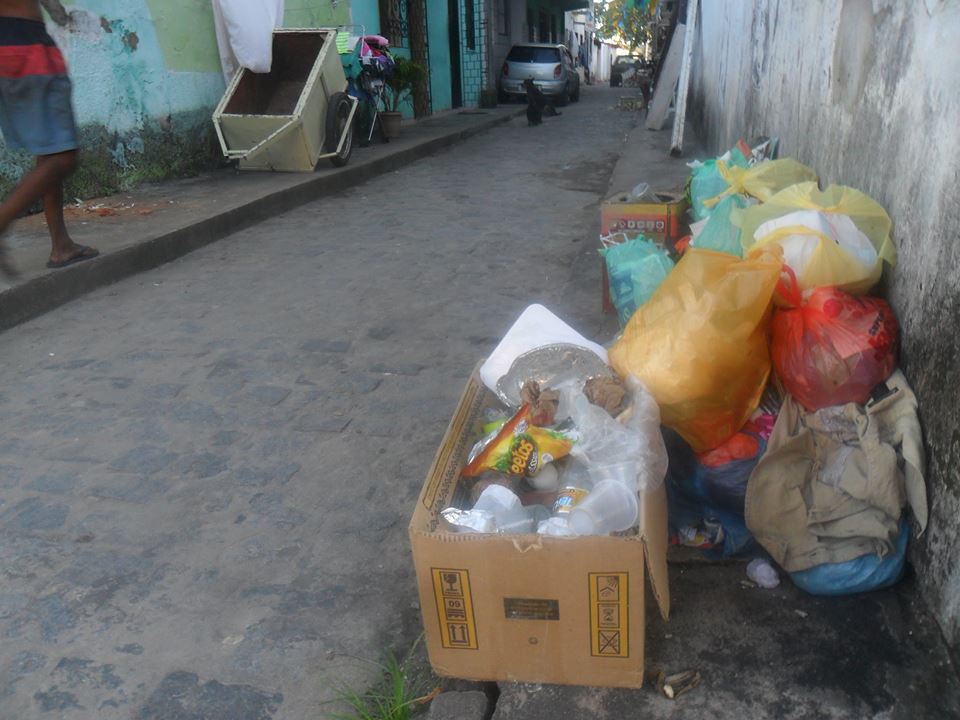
pixel 86 253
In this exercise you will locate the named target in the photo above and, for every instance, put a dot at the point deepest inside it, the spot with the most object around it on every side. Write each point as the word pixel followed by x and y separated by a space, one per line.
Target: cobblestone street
pixel 207 469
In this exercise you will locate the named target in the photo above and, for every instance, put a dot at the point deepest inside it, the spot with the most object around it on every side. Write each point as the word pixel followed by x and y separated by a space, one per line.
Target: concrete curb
pixel 42 294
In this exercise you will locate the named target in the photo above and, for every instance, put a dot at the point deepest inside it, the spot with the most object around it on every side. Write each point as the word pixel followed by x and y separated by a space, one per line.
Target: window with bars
pixel 394 22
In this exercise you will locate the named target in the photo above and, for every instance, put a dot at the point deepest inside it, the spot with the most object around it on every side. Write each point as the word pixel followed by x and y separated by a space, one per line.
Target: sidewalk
pixel 157 223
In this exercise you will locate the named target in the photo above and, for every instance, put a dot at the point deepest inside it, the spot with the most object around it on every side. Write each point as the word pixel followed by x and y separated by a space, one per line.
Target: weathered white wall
pixel 868 93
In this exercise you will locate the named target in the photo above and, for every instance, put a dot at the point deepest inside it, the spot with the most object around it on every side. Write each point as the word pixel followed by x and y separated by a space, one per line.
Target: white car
pixel 549 66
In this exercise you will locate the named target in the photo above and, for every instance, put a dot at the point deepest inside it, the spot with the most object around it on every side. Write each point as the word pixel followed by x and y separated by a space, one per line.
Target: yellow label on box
pixel 451 588
pixel 609 629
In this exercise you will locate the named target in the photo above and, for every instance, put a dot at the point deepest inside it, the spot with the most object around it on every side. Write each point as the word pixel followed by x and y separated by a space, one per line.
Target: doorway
pixel 453 22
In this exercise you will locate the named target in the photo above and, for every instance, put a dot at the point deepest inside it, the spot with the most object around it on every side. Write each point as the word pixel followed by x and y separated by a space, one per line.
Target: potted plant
pixel 401 85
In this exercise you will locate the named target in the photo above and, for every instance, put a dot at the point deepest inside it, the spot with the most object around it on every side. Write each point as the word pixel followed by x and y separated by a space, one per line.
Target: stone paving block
pixel 225 438
pixel 322 422
pixel 203 465
pixel 164 390
pixel 196 413
pixel 149 430
pixel 10 475
pixel 355 384
pixel 51 615
pixel 380 332
pixel 258 477
pixel 180 693
pixel 34 514
pixel 397 368
pixel 54 700
pixel 222 388
pixel 269 395
pixel 464 705
pixel 60 482
pixel 146 459
pixel 134 489
pixel 319 345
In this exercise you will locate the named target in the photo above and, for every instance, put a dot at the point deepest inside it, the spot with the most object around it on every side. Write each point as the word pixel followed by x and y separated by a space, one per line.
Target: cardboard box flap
pixel 445 470
pixel 654 533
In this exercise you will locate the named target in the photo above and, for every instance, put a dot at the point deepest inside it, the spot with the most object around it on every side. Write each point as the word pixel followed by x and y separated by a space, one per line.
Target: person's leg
pixel 45 181
pixel 62 246
pixel 48 173
pixel 33 186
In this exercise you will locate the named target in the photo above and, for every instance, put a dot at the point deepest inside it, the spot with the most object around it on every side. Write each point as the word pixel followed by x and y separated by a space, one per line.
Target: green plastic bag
pixel 635 269
pixel 721 233
pixel 707 180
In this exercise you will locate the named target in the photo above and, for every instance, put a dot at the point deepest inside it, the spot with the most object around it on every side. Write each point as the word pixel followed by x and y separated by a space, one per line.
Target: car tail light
pixel 557 70
pixel 506 70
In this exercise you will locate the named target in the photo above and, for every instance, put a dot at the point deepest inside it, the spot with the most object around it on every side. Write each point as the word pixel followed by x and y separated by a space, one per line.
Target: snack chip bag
pixel 520 448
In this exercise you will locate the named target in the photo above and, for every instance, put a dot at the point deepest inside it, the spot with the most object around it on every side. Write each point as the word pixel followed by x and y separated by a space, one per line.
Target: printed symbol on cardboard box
pixel 608 618
pixel 455 609
pixel 451 583
pixel 609 642
pixel 459 633
pixel 608 587
pixel 609 615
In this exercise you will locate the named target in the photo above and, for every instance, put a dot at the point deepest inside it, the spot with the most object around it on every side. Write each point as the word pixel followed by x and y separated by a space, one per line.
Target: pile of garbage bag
pixel 754 375
pixel 765 330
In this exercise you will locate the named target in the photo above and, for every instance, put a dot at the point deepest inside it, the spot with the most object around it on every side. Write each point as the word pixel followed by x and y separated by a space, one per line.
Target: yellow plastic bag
pixel 700 344
pixel 763 180
pixel 829 264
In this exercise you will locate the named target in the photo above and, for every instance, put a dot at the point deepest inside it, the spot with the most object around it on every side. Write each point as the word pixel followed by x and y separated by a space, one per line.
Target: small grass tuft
pixel 397 697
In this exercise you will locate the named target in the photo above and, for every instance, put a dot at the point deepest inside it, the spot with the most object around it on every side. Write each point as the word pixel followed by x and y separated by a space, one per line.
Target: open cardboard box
pixel 531 608
pixel 661 222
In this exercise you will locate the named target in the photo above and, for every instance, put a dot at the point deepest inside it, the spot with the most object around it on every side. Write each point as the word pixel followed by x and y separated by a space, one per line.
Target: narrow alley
pixel 208 468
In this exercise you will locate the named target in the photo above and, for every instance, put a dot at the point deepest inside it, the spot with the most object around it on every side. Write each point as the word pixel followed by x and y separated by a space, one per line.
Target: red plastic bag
pixel 832 348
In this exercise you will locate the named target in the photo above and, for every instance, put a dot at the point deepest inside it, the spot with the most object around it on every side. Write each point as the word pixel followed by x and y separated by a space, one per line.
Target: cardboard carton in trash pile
pixel 621 217
pixel 662 218
pixel 534 532
pixel 531 608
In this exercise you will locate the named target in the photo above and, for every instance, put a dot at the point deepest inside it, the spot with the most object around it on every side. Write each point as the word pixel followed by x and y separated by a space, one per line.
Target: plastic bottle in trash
pixel 568 498
pixel 575 485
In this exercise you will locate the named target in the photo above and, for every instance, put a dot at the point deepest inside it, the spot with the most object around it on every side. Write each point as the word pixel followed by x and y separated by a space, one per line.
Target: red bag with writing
pixel 830 347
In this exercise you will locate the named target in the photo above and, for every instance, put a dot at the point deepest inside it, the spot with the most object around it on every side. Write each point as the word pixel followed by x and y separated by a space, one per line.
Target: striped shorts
pixel 36 112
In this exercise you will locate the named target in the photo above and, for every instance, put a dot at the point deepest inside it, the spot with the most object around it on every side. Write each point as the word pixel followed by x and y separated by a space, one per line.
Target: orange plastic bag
pixel 832 348
pixel 700 344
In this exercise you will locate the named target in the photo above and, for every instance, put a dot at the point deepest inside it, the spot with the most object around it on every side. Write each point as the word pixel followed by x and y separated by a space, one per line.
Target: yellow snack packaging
pixel 520 448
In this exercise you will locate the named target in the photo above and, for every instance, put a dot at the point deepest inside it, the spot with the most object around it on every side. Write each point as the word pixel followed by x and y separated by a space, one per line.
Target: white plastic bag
pixel 801 234
pixel 245 33
pixel 631 451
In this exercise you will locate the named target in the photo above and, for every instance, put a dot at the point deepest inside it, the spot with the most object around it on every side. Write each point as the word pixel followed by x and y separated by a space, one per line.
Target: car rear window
pixel 533 54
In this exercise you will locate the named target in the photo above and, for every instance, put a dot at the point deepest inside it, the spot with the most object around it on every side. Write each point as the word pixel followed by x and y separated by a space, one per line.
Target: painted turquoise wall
pixel 438 39
pixel 366 13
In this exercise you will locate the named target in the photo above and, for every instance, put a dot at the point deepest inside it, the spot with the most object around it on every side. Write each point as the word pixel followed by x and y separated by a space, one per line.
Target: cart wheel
pixel 338 112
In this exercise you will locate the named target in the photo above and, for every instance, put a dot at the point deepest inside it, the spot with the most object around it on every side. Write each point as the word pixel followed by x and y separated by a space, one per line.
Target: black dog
pixel 537 104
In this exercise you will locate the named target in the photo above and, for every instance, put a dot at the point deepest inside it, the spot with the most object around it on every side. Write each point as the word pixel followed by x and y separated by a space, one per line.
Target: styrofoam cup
pixel 610 507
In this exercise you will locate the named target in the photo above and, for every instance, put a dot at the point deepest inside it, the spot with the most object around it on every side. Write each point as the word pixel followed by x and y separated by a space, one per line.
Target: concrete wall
pixel 868 93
